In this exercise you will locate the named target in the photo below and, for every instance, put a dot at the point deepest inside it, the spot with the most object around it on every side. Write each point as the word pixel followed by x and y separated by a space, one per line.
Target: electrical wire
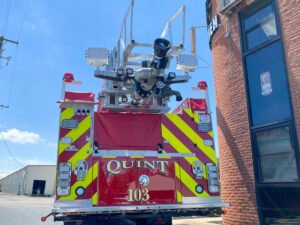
pixel 10 91
pixel 9 151
pixel 205 61
pixel 13 75
pixel 6 17
pixel 23 20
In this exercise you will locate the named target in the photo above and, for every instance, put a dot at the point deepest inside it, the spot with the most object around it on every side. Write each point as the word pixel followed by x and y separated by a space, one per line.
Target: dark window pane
pixel 280 205
pixel 276 155
pixel 267 85
pixel 266 31
pixel 257 17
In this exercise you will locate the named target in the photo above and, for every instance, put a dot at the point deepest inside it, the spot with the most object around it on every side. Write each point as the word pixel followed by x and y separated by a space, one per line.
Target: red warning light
pixel 68 77
pixel 202 85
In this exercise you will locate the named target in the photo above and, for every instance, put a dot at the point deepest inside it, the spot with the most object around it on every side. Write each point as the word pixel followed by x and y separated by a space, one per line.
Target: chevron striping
pixel 195 116
pixel 196 119
pixel 83 126
pixel 178 145
pixel 80 155
pixel 192 135
pixel 189 182
pixel 179 197
pixel 95 198
pixel 68 113
pixel 83 183
pixel 95 176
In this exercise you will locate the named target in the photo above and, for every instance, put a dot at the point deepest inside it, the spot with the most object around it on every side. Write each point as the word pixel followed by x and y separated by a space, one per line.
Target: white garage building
pixel 31 180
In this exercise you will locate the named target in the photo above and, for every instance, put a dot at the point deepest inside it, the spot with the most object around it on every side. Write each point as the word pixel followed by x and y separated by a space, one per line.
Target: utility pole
pixel 3 40
pixel 4 106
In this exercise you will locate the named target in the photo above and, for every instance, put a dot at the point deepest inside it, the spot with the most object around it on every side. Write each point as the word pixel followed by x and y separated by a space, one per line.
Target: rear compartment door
pixel 135 181
pixel 116 177
pixel 157 180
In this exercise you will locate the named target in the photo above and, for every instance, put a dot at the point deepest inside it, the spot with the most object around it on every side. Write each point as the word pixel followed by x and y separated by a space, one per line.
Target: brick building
pixel 256 55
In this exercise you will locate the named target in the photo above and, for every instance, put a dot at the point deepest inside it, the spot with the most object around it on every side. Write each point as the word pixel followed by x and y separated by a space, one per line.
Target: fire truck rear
pixel 131 160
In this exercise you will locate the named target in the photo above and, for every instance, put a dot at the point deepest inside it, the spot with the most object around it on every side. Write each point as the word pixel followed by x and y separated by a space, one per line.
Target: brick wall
pixel 237 175
pixel 290 28
pixel 236 163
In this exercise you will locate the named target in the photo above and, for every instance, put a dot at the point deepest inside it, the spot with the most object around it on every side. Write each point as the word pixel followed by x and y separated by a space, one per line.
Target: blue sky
pixel 53 40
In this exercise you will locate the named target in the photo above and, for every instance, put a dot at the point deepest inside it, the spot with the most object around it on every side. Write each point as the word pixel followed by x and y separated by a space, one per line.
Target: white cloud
pixel 21 137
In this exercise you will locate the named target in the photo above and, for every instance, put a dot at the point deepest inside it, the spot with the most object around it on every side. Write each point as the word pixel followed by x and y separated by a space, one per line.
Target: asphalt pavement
pixel 26 210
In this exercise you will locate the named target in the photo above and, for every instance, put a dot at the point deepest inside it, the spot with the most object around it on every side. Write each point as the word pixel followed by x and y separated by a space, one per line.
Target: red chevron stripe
pixel 63 132
pixel 89 191
pixel 184 190
pixel 189 121
pixel 185 140
pixel 79 143
pixel 188 168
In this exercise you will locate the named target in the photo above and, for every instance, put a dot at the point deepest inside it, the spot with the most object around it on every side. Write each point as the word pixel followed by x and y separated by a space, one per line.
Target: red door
pixel 135 181
pixel 161 186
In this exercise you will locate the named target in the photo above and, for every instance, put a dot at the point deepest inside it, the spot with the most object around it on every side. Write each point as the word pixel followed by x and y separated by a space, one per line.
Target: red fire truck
pixel 130 160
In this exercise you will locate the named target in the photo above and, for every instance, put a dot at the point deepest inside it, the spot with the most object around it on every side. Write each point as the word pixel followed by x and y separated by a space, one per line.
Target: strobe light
pixel 161 47
pixel 120 72
pixel 129 72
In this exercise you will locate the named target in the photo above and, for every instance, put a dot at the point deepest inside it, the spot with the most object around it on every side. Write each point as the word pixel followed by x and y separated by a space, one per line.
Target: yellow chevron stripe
pixel 68 113
pixel 192 135
pixel 95 176
pixel 179 197
pixel 192 115
pixel 95 198
pixel 83 126
pixel 84 183
pixel 108 157
pixel 189 181
pixel 178 145
pixel 81 154
pixel 196 119
pixel 178 193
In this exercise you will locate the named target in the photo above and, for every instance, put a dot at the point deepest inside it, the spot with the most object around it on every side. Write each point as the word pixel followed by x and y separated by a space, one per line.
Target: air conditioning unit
pixel 227 6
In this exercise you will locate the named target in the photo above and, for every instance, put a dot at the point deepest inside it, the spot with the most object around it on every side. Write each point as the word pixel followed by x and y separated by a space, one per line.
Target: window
pixel 260 27
pixel 268 92
pixel 274 141
pixel 276 155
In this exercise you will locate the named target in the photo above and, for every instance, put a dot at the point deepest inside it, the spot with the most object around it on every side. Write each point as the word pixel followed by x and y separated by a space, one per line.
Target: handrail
pixel 180 11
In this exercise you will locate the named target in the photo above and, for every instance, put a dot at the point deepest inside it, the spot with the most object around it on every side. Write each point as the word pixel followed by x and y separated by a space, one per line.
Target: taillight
pixel 64 179
pixel 212 177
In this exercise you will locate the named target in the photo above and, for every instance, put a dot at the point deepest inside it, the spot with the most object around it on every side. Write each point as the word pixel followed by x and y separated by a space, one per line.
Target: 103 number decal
pixel 138 195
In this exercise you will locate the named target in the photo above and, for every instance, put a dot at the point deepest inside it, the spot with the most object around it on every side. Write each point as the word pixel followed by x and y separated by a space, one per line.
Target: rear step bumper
pixel 136 208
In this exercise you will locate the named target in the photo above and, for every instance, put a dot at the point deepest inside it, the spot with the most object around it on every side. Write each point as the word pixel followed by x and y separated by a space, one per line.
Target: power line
pixel 23 20
pixel 16 49
pixel 6 17
pixel 9 151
